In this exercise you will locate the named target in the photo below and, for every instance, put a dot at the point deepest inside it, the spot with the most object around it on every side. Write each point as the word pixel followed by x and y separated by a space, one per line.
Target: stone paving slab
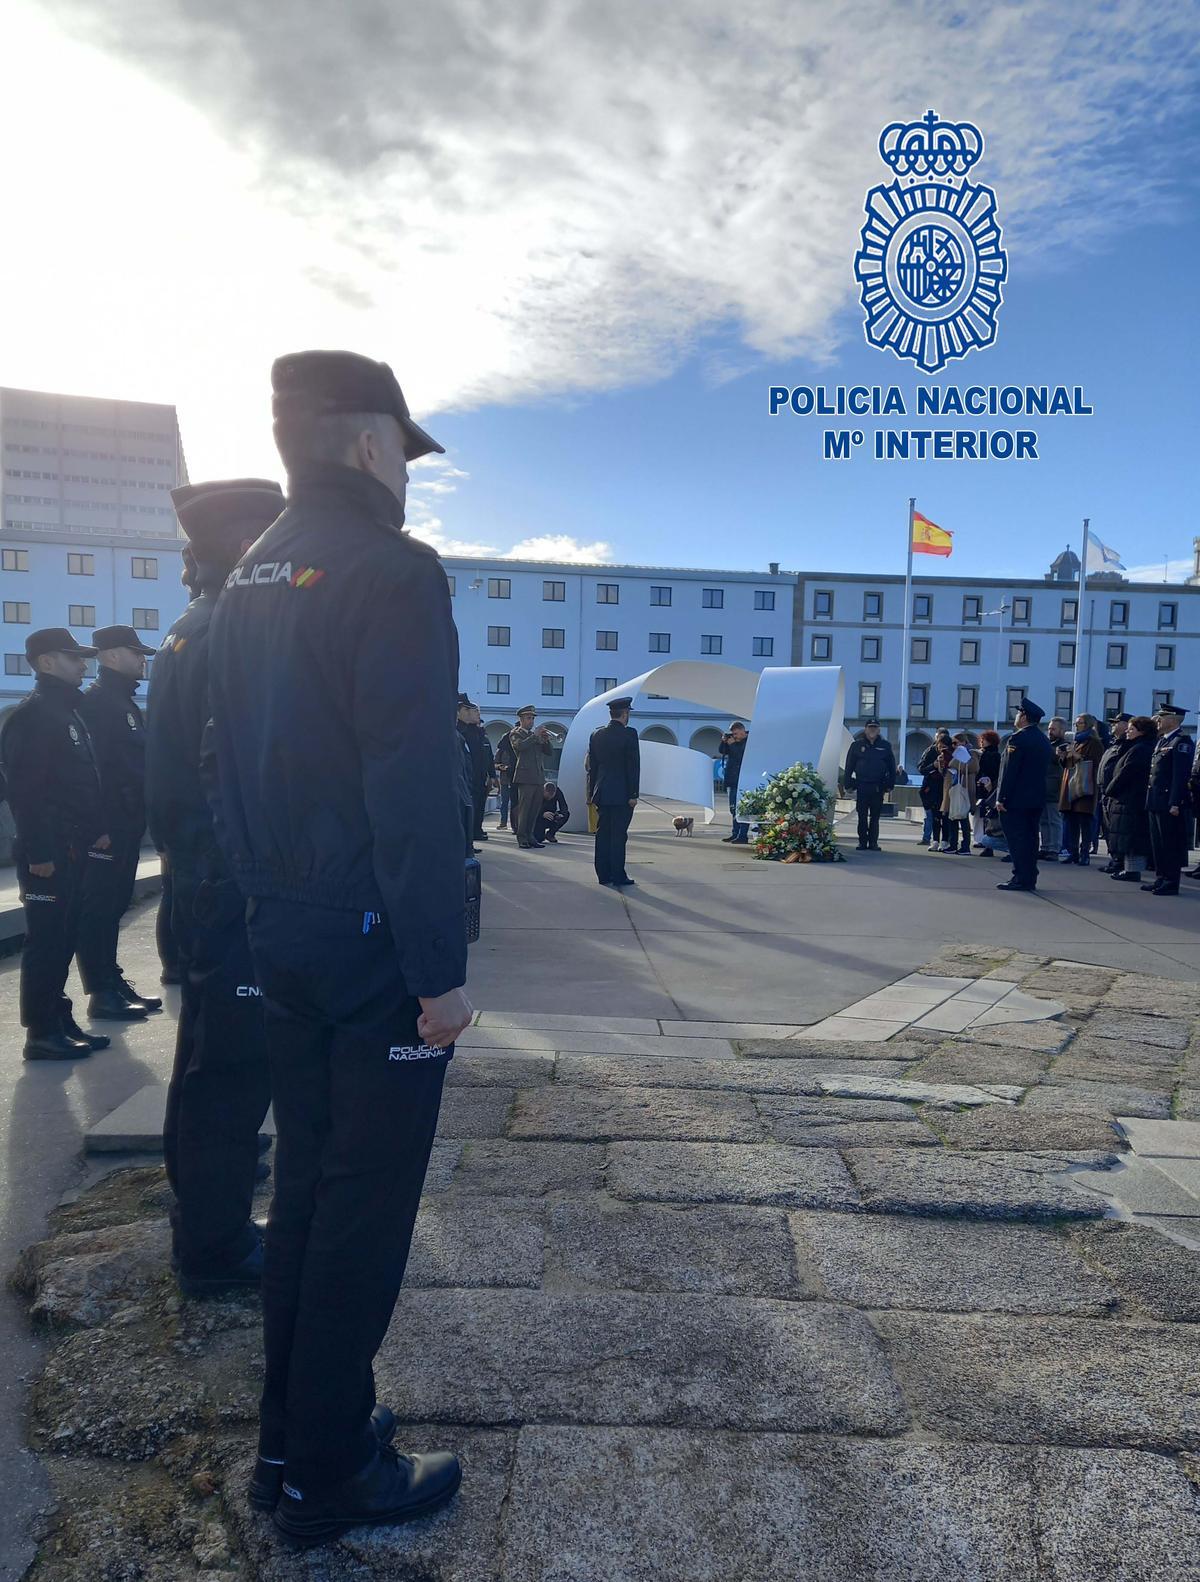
pixel 1109 1059
pixel 1073 1381
pixel 1152 996
pixel 947 1265
pixel 1184 1173
pixel 1128 1027
pixel 727 1251
pixel 499 1357
pixel 894 1052
pixel 592 1114
pixel 853 1029
pixel 1142 1187
pixel 1016 1128
pixel 981 1185
pixel 530 1169
pixel 769 1175
pixel 961 1061
pixel 1047 1037
pixel 565 1021
pixel 593 1043
pixel 498 1243
pixel 1162 1139
pixel 797 1132
pixel 915 1092
pixel 619 1505
pixel 1159 1277
pixel 1098 1098
pixel 736 1076
pixel 730 1029
pixel 475 1111
pixel 478 1068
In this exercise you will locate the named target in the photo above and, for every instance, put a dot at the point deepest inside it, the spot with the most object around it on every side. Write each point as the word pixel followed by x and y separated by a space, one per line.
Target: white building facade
pixel 88 535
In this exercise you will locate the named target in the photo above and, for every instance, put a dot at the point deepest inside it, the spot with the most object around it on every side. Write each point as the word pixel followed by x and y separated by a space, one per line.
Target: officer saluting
pixel 220 1085
pixel 614 761
pixel 118 734
pixel 54 793
pixel 334 676
pixel 1168 801
pixel 1021 793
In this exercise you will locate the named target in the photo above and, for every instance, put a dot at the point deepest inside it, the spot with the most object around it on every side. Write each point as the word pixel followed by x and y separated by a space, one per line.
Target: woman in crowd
pixel 928 766
pixel 958 796
pixel 1126 819
pixel 1077 796
pixel 987 779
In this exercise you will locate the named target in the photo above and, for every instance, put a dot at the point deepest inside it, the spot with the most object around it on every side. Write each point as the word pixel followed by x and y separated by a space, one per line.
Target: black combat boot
pixel 390 1489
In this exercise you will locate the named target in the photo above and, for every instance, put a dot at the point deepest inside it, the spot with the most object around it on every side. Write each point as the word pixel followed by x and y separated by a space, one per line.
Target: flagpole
pixel 1077 699
pixel 900 751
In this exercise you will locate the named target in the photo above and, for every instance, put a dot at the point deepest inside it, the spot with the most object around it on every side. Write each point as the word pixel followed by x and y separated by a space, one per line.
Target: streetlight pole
pixel 1001 612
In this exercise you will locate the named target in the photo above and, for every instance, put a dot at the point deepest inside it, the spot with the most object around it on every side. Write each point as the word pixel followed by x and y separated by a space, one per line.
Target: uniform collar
pixel 1164 739
pixel 349 483
pixel 55 691
pixel 112 681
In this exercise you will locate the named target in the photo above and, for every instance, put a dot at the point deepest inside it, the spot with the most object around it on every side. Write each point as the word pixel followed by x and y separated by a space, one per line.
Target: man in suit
pixel 1168 799
pixel 1021 794
pixel 613 774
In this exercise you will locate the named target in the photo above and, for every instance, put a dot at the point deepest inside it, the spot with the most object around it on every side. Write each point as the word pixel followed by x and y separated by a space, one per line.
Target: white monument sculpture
pixel 795 716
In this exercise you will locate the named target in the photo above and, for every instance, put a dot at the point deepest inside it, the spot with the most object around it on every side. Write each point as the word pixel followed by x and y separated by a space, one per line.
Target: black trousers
pixel 164 933
pixel 1020 826
pixel 479 806
pixel 868 800
pixel 108 881
pixel 1169 844
pixel 51 925
pixel 220 1083
pixel 612 835
pixel 356 1097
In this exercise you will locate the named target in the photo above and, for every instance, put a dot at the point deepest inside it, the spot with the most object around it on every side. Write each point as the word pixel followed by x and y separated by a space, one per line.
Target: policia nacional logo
pixel 930 267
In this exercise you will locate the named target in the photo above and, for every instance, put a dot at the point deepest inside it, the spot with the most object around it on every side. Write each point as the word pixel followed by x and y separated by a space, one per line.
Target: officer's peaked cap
pixel 1172 709
pixel 119 637
pixel 619 705
pixel 314 384
pixel 219 516
pixel 54 640
pixel 1032 711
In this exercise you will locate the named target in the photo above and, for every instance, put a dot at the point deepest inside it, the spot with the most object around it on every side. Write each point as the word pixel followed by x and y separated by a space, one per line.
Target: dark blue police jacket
pixel 1023 765
pixel 1170 769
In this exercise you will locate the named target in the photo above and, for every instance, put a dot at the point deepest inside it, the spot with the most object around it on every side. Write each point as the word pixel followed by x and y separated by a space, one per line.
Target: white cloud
pixel 511 201
pixel 1160 571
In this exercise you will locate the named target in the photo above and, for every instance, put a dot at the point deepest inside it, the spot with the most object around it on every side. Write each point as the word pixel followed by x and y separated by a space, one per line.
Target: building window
pixel 764 647
pixel 660 595
pixel 1018 652
pixel 872 606
pixel 144 566
pixel 81 565
pixel 823 604
pixel 1021 611
pixel 922 607
pixel 81 615
pixel 499 636
pixel 497 684
pixel 968 702
pixel 1063 699
pixel 1116 657
pixel 660 642
pixel 710 644
pixel 552 686
pixel 868 699
pixel 764 598
pixel 16 612
pixel 1118 613
pixel 1069 613
pixel 918 702
pixel 972 609
pixel 1159 699
pixel 1164 656
pixel 1168 617
pixel 554 637
pixel 608 593
pixel 554 592
pixel 605 684
pixel 450 585
pixel 606 640
pixel 920 651
pixel 1012 700
pixel 712 598
pixel 15 560
pixel 499 588
pixel 1066 655
pixel 145 620
pixel 1114 701
pixel 968 651
pixel 870 650
pixel 17 665
pixel 822 649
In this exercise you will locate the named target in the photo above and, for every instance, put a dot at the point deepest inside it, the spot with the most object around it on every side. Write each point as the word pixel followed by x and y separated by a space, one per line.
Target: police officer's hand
pixel 633 801
pixel 102 844
pixel 1000 808
pixel 443 1017
pixel 1175 812
pixel 42 870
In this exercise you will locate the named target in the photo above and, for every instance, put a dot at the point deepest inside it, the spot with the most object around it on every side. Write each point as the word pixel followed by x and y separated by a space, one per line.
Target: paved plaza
pixel 837 1222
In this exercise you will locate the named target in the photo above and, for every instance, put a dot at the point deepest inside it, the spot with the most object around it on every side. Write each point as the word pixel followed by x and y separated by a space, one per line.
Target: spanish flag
pixel 928 538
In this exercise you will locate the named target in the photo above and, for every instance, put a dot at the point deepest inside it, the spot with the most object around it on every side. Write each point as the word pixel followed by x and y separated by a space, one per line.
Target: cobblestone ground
pixel 693 1319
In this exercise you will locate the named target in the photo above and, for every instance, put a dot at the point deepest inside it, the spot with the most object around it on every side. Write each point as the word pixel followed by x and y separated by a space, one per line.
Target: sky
pixel 590 237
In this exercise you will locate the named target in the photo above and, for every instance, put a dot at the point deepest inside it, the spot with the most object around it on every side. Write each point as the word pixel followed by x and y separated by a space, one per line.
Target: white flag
pixel 1100 557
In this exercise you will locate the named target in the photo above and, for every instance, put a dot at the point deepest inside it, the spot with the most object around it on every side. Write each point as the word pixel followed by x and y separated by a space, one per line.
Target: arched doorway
pixel 706 740
pixel 496 731
pixel 914 747
pixel 659 733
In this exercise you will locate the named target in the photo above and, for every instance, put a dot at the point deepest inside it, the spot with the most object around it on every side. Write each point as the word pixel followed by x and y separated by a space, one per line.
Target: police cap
pixel 218 517
pixel 1031 710
pixel 1120 719
pixel 314 384
pixel 1171 709
pixel 119 637
pixel 619 705
pixel 875 723
pixel 54 640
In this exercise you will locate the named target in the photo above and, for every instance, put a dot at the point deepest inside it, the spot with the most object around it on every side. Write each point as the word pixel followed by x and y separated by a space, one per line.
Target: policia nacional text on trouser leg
pixel 220 1084
pixel 356 1095
pixel 108 881
pixel 51 924
pixel 612 835
pixel 1169 834
pixel 868 800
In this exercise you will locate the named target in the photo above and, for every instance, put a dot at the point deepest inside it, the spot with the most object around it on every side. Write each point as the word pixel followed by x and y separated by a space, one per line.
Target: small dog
pixel 683 826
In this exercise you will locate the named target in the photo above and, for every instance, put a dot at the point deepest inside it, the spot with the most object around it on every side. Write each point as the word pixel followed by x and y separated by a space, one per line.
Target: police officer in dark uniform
pixel 870 773
pixel 1168 801
pixel 1021 793
pixel 118 734
pixel 614 762
pixel 54 792
pixel 483 767
pixel 220 1085
pixel 334 676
